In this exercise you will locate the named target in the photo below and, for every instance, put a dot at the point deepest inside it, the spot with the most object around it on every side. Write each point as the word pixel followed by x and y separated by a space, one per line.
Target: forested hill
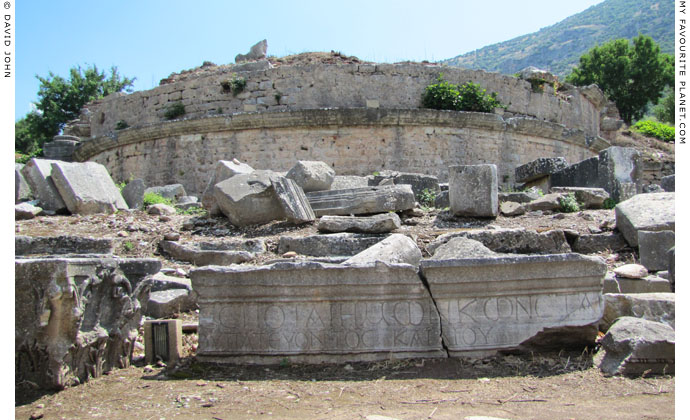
pixel 557 48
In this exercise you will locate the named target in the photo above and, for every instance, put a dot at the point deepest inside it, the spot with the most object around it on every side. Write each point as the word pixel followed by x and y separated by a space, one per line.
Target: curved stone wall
pixel 352 141
pixel 388 86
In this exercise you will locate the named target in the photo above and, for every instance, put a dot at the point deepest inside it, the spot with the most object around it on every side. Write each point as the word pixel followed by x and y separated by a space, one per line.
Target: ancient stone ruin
pixel 305 145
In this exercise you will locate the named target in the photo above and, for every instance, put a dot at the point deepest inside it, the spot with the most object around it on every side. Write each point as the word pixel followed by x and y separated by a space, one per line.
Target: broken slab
pixel 26 211
pixel 498 303
pixel 517 241
pixel 312 175
pixel 657 307
pixel 618 172
pixel 634 346
pixel 518 197
pixel 161 282
pixel 166 303
pixel 651 212
pixel 87 188
pixel 314 312
pixel 418 182
pixel 74 319
pixel 600 242
pixel 654 247
pixel 172 191
pixel 63 244
pixel 133 193
pixel 473 190
pixel 379 223
pixel 462 247
pixel 539 168
pixel 589 198
pixel 204 257
pixel 335 244
pixel 581 174
pixel 22 191
pixel 37 173
pixel 362 200
pixel 223 170
pixel 345 182
pixel 511 209
pixel 249 199
pixel 295 204
pixel 395 249
pixel 648 284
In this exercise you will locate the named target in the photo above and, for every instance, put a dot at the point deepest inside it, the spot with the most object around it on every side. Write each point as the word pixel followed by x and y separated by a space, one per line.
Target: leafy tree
pixel 666 110
pixel 631 76
pixel 60 100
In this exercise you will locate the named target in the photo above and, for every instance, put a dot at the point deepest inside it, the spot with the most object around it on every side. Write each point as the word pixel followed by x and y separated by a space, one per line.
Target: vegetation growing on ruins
pixel 235 85
pixel 467 97
pixel 174 110
pixel 151 198
pixel 656 129
pixel 60 100
pixel 631 76
pixel 427 198
pixel 569 203
pixel 121 125
pixel 666 110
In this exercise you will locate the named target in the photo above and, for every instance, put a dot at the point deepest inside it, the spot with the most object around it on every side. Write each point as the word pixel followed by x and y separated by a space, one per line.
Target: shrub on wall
pixel 173 111
pixel 656 129
pixel 467 97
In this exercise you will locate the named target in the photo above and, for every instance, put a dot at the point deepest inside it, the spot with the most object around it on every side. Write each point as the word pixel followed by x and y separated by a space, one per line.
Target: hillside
pixel 557 48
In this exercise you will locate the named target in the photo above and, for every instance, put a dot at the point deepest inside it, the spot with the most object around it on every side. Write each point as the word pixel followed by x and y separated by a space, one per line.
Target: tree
pixel 630 76
pixel 666 110
pixel 60 101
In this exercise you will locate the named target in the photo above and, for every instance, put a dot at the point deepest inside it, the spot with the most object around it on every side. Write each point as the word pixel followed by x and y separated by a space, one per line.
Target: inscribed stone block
pixel 473 190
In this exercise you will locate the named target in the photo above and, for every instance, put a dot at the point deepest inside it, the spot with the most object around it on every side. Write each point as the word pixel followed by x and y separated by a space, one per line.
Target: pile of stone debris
pixel 359 291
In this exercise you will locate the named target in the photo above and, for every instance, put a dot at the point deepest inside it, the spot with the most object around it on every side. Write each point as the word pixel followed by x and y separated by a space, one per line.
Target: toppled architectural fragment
pixel 37 173
pixel 380 223
pixel 650 212
pixel 291 197
pixel 494 303
pixel 51 245
pixel 473 190
pixel 657 307
pixel 313 312
pixel 518 241
pixel 395 249
pixel 133 193
pixel 22 191
pixel 249 199
pixel 312 175
pixel 256 52
pixel 418 182
pixel 223 170
pixel 87 188
pixel 654 247
pixel 336 244
pixel 201 257
pixel 362 200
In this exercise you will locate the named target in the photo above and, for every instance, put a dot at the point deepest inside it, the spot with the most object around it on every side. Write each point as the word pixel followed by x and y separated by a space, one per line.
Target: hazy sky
pixel 149 39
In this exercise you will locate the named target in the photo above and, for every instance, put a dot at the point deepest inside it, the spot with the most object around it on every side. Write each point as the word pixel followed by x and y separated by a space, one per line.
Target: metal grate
pixel 161 340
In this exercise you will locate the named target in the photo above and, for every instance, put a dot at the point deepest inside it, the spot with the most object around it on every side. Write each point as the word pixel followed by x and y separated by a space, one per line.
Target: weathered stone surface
pixel 494 303
pixel 133 193
pixel 592 244
pixel 533 73
pixel 313 312
pixel 25 211
pixel 549 202
pixel 61 148
pixel 138 269
pixel 633 346
pixel 256 52
pixel 335 244
pixel 631 271
pixel 171 192
pixel 74 319
pixel 511 208
pixel 161 282
pixel 22 191
pixel 517 197
pixel 37 173
pixel 37 245
pixel 657 307
pixel 582 174
pixel 442 200
pixel 539 168
pixel 345 182
pixel 362 200
pixel 518 241
pixel 204 257
pixel 672 268
pixel 395 249
pixel 166 303
pixel 255 246
pixel 312 175
pixel 651 212
pixel 249 199
pixel 618 172
pixel 668 183
pixel 187 202
pixel 87 188
pixel 418 182
pixel 473 190
pixel 591 198
pixel 460 248
pixel 295 204
pixel 648 284
pixel 161 209
pixel 223 170
pixel 379 223
pixel 654 247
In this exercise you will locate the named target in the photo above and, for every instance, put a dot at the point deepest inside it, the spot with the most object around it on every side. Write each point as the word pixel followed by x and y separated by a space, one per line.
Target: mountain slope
pixel 557 48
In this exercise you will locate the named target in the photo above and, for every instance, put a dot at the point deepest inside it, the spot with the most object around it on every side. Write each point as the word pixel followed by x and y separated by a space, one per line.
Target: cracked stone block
pixel 654 247
pixel 380 223
pixel 650 212
pixel 223 170
pixel 87 188
pixel 295 204
pixel 395 249
pixel 38 174
pixel 381 199
pixel 657 307
pixel 473 190
pixel 166 303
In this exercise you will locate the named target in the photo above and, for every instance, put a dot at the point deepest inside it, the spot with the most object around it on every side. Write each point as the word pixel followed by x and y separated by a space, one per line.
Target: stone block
pixel 511 208
pixel 651 212
pixel 60 245
pixel 618 172
pixel 539 168
pixel 161 209
pixel 26 211
pixel 668 183
pixel 223 170
pixel 138 269
pixel 473 190
pixel 380 223
pixel 418 182
pixel 461 248
pixel 256 52
pixel 295 204
pixel 171 192
pixel 654 247
pixel 313 312
pixel 171 350
pixel 395 249
pixel 517 197
pixel 344 182
pixel 335 244
pixel 657 307
pixel 75 319
pixel 362 200
pixel 672 268
pixel 549 202
pixel 442 200
pixel 489 304
pixel 22 191
pixel 648 284
pixel 255 246
pixel 634 347
pixel 582 174
pixel 87 188
pixel 204 257
pixel 249 199
pixel 133 193
pixel 161 282
pixel 37 173
pixel 533 73
pixel 61 148
pixel 514 241
pixel 600 242
pixel 312 175
pixel 590 198
pixel 167 303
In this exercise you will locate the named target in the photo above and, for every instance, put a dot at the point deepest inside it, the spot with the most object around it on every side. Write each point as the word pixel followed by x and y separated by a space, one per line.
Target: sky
pixel 151 39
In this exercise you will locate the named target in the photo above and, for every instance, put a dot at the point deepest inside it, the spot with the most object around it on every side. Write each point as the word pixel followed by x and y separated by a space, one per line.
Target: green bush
pixel 427 197
pixel 192 211
pixel 151 198
pixel 569 203
pixel 467 97
pixel 609 203
pixel 173 111
pixel 121 125
pixel 656 129
pixel 22 158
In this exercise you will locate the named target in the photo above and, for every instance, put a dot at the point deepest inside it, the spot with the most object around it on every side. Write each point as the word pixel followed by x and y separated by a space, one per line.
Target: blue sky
pixel 150 39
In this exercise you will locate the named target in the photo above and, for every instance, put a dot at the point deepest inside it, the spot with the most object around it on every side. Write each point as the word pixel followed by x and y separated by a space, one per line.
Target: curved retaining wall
pixel 352 141
pixel 390 86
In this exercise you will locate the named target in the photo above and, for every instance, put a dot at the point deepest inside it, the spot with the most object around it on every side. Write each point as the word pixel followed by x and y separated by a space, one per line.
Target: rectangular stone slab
pixel 362 200
pixel 87 188
pixel 292 199
pixel 490 304
pixel 313 313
